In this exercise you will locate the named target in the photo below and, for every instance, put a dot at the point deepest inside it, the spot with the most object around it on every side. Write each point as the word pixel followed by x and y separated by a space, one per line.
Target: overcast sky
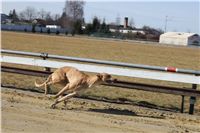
pixel 183 16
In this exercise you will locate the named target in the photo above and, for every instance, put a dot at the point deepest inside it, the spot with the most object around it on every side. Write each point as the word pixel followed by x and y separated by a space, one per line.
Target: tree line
pixel 72 17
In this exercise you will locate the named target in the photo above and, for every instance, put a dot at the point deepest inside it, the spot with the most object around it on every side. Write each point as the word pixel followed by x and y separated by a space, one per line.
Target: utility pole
pixel 166 19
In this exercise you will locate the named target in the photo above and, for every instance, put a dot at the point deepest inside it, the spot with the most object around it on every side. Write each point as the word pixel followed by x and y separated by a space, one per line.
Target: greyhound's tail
pixel 42 84
pixel 39 85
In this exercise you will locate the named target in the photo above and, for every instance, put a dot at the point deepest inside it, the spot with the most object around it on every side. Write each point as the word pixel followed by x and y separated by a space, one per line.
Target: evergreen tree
pixel 78 27
pixel 96 24
pixel 103 27
pixel 13 15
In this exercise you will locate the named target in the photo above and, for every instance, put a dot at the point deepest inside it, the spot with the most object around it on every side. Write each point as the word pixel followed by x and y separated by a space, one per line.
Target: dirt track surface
pixel 24 111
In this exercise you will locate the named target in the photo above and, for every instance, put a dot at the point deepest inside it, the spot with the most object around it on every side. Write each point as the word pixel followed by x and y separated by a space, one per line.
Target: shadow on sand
pixel 122 112
pixel 114 111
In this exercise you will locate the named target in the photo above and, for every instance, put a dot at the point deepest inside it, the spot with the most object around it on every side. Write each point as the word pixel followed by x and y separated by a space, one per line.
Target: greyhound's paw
pixel 65 104
pixel 50 96
pixel 53 106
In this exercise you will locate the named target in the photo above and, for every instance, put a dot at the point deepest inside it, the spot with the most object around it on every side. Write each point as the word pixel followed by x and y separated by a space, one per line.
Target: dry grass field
pixel 181 57
pixel 115 117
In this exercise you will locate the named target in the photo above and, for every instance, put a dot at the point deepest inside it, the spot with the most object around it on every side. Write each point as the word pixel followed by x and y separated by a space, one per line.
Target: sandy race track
pixel 24 111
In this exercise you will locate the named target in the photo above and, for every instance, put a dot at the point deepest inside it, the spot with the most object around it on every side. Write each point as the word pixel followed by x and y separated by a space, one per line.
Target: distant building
pixel 121 29
pixel 53 26
pixel 125 22
pixel 180 38
pixel 40 22
pixel 5 19
pixel 125 28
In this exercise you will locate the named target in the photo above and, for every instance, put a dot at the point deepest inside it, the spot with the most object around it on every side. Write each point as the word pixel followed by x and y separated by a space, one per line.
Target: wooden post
pixel 192 100
pixel 182 103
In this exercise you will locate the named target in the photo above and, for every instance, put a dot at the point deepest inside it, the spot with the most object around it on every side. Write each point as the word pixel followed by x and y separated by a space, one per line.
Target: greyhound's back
pixel 72 73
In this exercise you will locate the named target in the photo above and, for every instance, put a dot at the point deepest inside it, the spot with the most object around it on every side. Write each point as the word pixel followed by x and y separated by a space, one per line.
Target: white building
pixel 53 26
pixel 128 30
pixel 177 38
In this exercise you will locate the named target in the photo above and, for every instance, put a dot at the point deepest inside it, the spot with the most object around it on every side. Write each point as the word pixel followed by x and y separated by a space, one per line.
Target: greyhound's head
pixel 100 78
pixel 105 78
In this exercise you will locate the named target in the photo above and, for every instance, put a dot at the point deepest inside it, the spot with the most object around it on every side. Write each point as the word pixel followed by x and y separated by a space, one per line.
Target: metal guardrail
pixel 156 68
pixel 118 71
pixel 146 87
pixel 117 83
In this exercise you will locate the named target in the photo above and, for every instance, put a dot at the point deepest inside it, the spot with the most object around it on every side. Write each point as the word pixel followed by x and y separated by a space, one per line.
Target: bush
pixel 33 28
pixel 73 32
pixel 66 32
pixel 48 31
pixel 57 32
pixel 41 30
pixel 88 30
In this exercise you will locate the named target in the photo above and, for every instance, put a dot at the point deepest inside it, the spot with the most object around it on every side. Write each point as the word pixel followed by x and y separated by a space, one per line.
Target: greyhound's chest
pixel 82 86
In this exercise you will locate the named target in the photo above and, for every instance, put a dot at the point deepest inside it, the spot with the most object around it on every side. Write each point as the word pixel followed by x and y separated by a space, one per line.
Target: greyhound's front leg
pixel 46 89
pixel 65 103
pixel 63 99
pixel 60 93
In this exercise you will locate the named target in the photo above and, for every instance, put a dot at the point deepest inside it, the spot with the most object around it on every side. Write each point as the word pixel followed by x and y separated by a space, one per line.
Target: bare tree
pixel 74 9
pixel 42 14
pixel 132 23
pixel 64 21
pixel 48 16
pixel 21 16
pixel 28 14
pixel 118 20
pixel 56 17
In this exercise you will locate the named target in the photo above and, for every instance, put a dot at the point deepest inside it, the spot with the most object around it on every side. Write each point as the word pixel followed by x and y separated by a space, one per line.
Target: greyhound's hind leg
pixel 46 91
pixel 61 92
pixel 64 98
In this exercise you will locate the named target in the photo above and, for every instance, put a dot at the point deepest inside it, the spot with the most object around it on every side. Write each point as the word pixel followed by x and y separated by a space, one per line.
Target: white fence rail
pixel 102 62
pixel 137 73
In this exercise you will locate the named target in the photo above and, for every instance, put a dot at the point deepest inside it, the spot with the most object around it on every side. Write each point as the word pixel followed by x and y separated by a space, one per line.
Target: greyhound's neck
pixel 92 80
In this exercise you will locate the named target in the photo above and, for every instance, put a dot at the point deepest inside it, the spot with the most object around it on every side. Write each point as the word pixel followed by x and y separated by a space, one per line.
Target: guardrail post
pixel 192 100
pixel 182 103
pixel 48 69
pixel 44 57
